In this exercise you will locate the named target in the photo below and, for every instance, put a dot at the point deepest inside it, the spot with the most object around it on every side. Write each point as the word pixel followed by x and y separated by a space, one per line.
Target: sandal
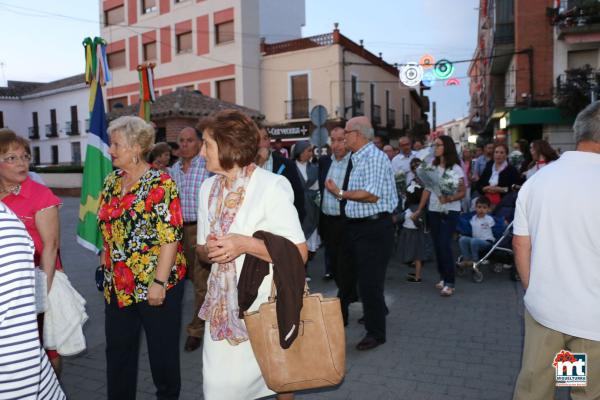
pixel 447 291
pixel 439 285
pixel 412 278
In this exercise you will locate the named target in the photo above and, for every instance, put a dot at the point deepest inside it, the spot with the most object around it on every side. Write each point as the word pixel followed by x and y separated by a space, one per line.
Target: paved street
pixel 464 347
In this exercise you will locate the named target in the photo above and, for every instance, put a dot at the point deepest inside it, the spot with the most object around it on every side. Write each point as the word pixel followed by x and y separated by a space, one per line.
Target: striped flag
pixel 97 160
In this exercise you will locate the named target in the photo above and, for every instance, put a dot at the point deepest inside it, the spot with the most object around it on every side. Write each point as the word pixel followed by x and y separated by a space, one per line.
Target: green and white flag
pixel 97 160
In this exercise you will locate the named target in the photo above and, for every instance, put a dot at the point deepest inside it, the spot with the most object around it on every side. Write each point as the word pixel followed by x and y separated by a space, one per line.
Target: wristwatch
pixel 161 283
pixel 340 194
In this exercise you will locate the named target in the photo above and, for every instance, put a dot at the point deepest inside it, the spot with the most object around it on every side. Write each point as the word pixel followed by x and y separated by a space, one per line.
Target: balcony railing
pixel 576 15
pixel 376 114
pixel 297 108
pixel 72 128
pixel 577 88
pixel 51 130
pixel 391 117
pixel 34 132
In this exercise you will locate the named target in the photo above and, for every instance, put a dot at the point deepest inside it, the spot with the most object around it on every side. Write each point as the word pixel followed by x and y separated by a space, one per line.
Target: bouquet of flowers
pixel 444 185
pixel 515 158
pixel 400 179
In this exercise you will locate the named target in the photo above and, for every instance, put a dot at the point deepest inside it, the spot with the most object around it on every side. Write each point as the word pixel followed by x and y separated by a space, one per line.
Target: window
pixel 52 130
pixel 224 32
pixel 149 6
pixel 36 155
pixel 150 51
pixel 299 93
pixel 114 16
pixel 117 102
pixel 54 149
pixel 1 119
pixel 184 42
pixel 76 153
pixel 226 90
pixel 73 125
pixel 116 59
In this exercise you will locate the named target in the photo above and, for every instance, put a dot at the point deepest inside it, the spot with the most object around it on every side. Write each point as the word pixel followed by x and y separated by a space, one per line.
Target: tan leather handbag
pixel 316 358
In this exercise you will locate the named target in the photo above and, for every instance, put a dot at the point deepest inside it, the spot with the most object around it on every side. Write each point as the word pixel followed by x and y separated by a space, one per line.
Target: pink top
pixel 32 198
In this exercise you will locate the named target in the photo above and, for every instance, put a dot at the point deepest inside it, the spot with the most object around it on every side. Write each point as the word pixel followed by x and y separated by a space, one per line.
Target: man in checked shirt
pixel 369 233
pixel 189 172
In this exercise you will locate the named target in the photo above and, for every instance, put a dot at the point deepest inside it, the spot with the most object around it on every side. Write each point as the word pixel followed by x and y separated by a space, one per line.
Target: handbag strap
pixel 273 295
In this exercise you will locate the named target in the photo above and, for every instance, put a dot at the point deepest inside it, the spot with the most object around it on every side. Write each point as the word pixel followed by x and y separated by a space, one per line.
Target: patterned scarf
pixel 220 306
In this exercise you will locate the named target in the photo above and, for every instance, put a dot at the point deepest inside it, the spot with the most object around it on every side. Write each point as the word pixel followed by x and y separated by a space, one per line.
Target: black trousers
pixel 162 326
pixel 369 246
pixel 344 274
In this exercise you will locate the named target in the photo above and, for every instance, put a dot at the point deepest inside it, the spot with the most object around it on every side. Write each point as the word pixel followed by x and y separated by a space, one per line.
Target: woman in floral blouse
pixel 141 223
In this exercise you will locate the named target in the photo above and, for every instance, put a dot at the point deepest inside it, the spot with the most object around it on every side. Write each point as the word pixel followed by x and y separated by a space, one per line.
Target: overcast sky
pixel 37 46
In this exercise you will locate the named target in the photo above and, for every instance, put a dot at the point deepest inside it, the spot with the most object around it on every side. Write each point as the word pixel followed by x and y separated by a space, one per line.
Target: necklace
pixel 12 189
pixel 128 183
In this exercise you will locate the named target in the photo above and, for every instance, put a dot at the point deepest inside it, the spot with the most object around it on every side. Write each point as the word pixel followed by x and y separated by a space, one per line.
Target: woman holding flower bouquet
pixel 444 188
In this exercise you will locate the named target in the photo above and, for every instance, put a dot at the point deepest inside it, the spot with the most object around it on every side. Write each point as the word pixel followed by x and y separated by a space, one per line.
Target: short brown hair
pixel 158 150
pixel 236 135
pixel 9 138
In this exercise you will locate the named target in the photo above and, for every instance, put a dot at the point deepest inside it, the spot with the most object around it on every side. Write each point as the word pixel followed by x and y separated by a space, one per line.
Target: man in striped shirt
pixel 189 172
pixel 25 372
pixel 371 198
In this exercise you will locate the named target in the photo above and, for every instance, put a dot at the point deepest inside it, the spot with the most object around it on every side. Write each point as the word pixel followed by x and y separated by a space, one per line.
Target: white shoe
pixel 447 291
pixel 307 279
pixel 439 285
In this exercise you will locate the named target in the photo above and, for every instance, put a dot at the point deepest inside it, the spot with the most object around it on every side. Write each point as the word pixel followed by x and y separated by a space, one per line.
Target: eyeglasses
pixel 438 144
pixel 26 158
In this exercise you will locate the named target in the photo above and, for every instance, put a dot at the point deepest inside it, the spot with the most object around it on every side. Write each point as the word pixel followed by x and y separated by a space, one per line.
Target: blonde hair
pixel 135 131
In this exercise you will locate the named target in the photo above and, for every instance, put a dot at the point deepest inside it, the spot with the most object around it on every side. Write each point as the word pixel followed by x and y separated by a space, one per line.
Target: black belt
pixel 374 217
pixel 190 223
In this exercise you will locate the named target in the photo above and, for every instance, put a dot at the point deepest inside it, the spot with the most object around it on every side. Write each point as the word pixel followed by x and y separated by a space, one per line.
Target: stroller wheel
pixel 477 276
pixel 498 268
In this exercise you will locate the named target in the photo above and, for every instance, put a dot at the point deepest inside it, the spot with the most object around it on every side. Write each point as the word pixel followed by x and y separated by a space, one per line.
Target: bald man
pixel 369 235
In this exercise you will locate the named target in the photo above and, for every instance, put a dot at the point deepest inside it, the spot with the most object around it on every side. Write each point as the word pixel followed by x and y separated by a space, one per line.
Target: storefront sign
pixel 289 131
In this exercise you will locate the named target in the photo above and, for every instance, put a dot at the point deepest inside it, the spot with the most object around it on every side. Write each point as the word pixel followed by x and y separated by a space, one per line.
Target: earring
pixel 136 159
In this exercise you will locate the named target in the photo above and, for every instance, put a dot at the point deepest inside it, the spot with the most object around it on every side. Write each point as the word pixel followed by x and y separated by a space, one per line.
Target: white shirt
pixel 434 201
pixel 482 227
pixel 402 162
pixel 493 181
pixel 558 209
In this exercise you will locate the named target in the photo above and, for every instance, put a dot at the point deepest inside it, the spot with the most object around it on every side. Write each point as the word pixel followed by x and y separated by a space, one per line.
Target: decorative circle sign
pixel 452 82
pixel 428 79
pixel 427 61
pixel 443 69
pixel 411 74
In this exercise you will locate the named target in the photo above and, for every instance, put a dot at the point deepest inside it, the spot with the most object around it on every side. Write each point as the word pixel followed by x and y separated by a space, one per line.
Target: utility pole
pixel 434 112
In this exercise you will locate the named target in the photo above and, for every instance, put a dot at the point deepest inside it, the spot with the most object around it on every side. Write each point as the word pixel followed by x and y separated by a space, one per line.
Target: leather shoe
pixel 192 343
pixel 369 343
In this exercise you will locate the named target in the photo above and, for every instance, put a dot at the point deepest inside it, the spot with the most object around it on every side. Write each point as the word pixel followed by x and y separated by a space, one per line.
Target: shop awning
pixel 538 116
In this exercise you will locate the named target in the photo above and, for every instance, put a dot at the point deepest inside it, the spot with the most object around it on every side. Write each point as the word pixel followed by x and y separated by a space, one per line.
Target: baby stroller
pixel 501 253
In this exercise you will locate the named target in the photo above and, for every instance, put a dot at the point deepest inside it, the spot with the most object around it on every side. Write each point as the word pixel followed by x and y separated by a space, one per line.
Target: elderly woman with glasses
pixel 35 205
pixel 141 223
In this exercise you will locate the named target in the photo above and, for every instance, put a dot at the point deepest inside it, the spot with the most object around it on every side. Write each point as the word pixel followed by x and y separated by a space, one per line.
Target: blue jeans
pixel 471 248
pixel 442 230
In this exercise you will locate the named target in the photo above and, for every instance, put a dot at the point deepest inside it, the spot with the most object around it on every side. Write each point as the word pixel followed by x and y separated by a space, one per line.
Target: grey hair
pixel 587 124
pixel 135 131
pixel 365 129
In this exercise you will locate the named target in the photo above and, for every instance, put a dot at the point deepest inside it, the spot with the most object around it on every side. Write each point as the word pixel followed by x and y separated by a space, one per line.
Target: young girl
pixel 412 235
